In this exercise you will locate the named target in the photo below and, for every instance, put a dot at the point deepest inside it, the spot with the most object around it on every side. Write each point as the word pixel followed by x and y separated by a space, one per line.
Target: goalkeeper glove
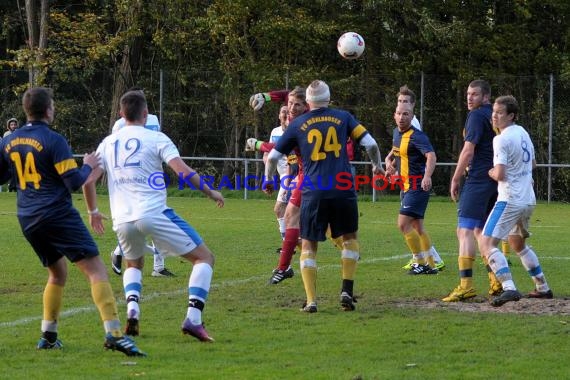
pixel 250 144
pixel 258 100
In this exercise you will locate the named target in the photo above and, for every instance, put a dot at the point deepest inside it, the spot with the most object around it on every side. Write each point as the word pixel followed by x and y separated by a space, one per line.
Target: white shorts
pixel 172 235
pixel 506 219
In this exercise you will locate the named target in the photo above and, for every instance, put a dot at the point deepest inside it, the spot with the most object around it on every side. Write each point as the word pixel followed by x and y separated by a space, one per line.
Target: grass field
pixel 400 329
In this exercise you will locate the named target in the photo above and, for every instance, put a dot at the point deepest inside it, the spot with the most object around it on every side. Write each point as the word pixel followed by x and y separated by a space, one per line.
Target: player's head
pixel 318 94
pixel 134 106
pixel 12 124
pixel 38 104
pixel 478 93
pixel 403 116
pixel 283 115
pixel 405 95
pixel 505 111
pixel 296 102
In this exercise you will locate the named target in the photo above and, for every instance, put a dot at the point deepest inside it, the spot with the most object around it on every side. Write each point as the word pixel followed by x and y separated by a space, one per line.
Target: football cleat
pixel 347 302
pixel 506 296
pixel 162 273
pixel 440 266
pixel 495 289
pixel 421 269
pixel 280 275
pixel 116 263
pixel 132 328
pixel 197 331
pixel 408 265
pixel 459 294
pixel 309 308
pixel 544 295
pixel 45 344
pixel 124 344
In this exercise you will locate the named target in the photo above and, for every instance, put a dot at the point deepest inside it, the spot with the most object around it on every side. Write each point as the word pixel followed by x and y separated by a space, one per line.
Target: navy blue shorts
pixel 414 203
pixel 318 214
pixel 476 201
pixel 65 235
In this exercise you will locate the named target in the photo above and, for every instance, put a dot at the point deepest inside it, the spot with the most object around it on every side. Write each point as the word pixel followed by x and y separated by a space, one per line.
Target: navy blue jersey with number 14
pixel 45 171
pixel 321 136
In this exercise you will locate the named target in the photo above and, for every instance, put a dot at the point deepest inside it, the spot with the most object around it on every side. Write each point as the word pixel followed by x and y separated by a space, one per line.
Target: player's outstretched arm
pixel 254 145
pixel 75 177
pixel 180 166
pixel 257 101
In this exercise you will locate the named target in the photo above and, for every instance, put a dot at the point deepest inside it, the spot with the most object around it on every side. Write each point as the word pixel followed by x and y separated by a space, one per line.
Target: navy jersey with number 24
pixel 321 137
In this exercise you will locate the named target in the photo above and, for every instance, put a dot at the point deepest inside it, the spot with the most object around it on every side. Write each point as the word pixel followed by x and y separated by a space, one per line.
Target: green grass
pixel 259 331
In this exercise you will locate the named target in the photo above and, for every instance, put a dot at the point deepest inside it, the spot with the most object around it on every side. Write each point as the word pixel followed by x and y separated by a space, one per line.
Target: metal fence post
pixel 246 173
pixel 550 124
pixel 422 99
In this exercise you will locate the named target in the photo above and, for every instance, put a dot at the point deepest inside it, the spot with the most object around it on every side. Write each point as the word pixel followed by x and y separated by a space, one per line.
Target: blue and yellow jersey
pixel 410 148
pixel 321 136
pixel 45 172
pixel 479 131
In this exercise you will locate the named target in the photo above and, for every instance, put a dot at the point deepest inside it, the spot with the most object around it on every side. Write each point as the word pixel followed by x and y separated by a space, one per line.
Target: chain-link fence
pixel 207 115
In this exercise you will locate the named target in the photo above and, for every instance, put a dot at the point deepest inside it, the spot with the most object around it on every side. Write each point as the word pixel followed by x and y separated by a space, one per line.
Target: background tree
pixel 213 54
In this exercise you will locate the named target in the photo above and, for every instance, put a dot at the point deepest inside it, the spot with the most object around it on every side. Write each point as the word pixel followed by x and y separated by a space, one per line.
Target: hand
pixel 377 170
pixel 217 197
pixel 257 101
pixel 454 189
pixel 250 144
pixel 92 159
pixel 426 183
pixel 96 222
pixel 267 187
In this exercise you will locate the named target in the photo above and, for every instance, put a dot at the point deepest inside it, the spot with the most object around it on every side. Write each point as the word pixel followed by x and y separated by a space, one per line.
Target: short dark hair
pixel 483 85
pixel 405 90
pixel 133 104
pixel 510 103
pixel 36 101
pixel 299 93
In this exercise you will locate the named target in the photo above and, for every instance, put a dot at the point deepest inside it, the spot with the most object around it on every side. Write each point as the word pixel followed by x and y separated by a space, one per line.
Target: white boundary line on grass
pixel 85 309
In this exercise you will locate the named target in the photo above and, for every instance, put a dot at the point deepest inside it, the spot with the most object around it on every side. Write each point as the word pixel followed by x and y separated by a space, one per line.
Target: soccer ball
pixel 350 45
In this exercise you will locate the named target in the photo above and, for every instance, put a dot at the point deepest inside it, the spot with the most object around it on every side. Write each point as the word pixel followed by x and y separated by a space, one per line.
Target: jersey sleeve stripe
pixel 358 132
pixel 65 166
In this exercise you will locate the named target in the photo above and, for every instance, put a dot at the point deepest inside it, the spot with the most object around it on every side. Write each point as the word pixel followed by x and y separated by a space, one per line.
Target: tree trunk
pixel 37 37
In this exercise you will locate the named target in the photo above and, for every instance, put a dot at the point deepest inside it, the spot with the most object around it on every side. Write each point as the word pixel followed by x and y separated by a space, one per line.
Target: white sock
pixel 281 222
pixel 132 284
pixel 417 257
pixel 158 261
pixel 500 266
pixel 433 252
pixel 198 289
pixel 530 262
pixel 118 251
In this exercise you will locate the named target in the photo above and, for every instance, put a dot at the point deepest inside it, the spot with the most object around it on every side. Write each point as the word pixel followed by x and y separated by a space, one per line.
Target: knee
pixel 308 260
pixel 404 227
